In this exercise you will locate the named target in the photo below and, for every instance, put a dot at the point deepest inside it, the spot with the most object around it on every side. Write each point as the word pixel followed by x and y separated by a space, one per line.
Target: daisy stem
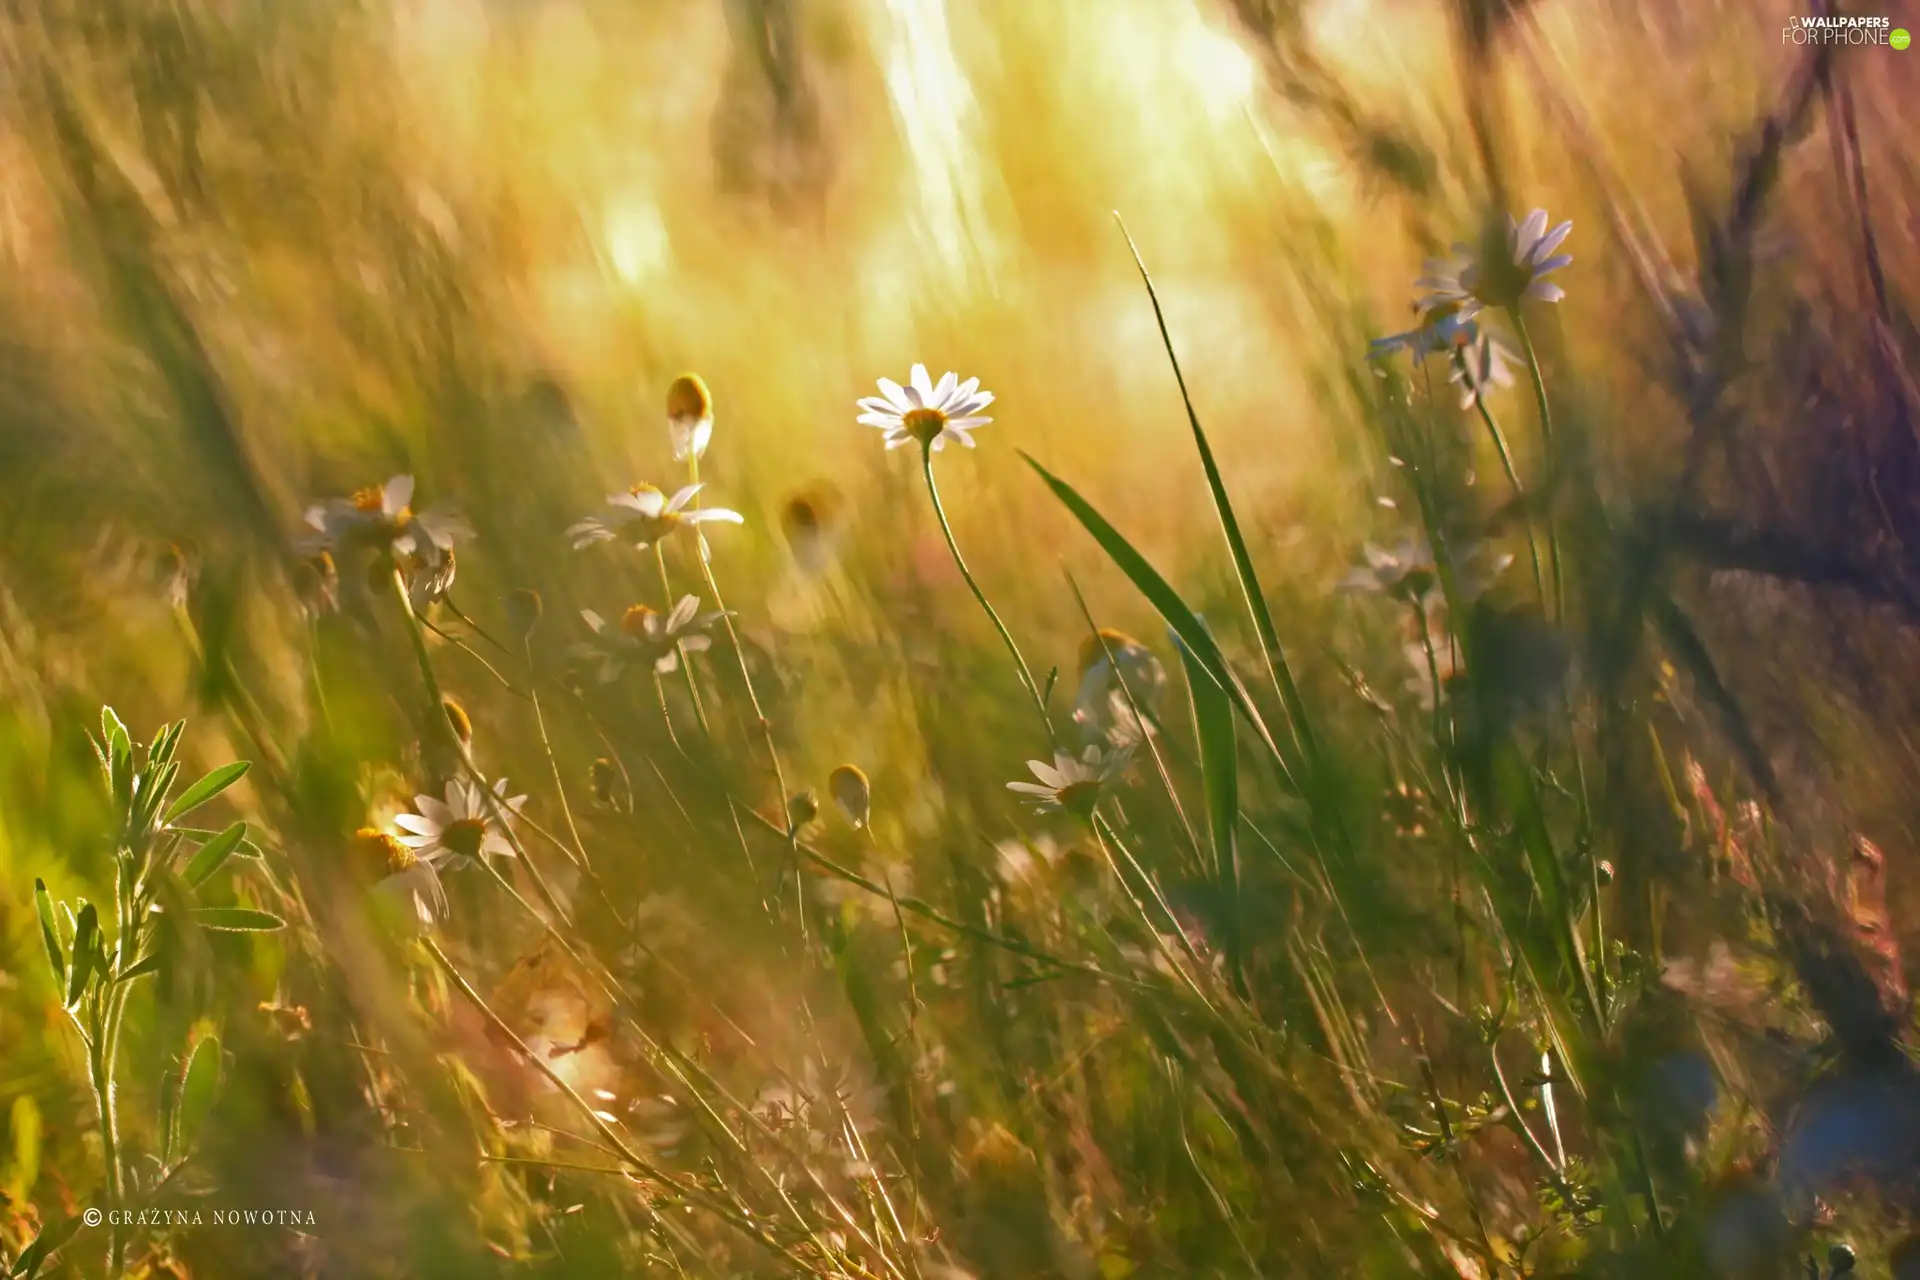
pixel 1513 479
pixel 1553 454
pixel 746 681
pixel 1006 637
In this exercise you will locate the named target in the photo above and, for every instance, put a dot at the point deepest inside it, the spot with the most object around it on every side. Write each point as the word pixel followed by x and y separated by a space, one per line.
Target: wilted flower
pixel 461 826
pixel 848 786
pixel 316 581
pixel 1470 284
pixel 383 520
pixel 925 412
pixel 458 720
pixel 802 807
pixel 1121 687
pixel 402 881
pixel 645 637
pixel 1482 363
pixel 689 417
pixel 1073 783
pixel 645 515
pixel 808 520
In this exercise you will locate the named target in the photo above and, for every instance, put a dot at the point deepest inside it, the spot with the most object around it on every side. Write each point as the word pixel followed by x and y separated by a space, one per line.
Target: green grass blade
pixel 1166 601
pixel 50 934
pixel 1220 772
pixel 1277 667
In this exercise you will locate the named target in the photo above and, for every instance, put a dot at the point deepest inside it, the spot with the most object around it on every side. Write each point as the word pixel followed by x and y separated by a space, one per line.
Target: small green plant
pixel 160 866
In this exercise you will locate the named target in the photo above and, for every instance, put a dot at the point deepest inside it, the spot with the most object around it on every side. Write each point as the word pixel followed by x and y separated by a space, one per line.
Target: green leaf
pixel 1185 623
pixel 118 749
pixel 1220 771
pixel 153 794
pixel 86 931
pixel 237 920
pixel 50 934
pixel 213 855
pixel 140 968
pixel 161 752
pixel 44 1246
pixel 207 788
pixel 245 849
pixel 198 1087
pixel 1256 600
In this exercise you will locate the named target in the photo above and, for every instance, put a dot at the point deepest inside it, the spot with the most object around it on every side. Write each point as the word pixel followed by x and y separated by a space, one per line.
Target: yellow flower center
pixel 463 836
pixel 645 528
pixel 371 499
pixel 634 621
pixel 372 502
pixel 380 854
pixel 924 425
pixel 1094 648
pixel 688 399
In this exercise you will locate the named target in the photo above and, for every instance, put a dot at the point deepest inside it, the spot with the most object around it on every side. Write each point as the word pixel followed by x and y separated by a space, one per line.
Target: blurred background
pixel 256 255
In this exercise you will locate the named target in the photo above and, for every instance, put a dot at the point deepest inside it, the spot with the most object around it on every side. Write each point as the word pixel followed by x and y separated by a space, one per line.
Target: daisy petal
pixel 897 394
pixel 1545 291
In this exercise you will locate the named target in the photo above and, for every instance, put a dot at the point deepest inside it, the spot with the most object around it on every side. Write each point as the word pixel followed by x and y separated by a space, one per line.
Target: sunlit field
pixel 958 639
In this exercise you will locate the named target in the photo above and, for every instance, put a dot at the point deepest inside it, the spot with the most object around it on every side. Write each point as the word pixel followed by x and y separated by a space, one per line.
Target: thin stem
pixel 686 668
pixel 1006 637
pixel 1513 479
pixel 1554 460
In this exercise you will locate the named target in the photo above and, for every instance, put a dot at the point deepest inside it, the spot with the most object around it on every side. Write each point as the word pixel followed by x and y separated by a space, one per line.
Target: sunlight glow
pixel 636 239
pixel 1223 71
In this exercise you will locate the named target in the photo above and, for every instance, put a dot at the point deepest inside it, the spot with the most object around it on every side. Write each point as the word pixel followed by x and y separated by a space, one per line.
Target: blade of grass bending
pixel 1277 667
pixel 1220 774
pixel 1167 602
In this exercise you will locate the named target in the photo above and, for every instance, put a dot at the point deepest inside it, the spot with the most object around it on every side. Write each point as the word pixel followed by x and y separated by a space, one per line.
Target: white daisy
pixel 645 637
pixel 1070 783
pixel 925 412
pixel 1441 329
pixel 461 826
pixel 407 888
pixel 1471 285
pixel 644 515
pixel 1118 708
pixel 689 417
pixel 1404 569
pixel 383 519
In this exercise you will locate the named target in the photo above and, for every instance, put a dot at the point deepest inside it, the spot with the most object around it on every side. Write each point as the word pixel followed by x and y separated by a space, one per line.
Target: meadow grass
pixel 1243 777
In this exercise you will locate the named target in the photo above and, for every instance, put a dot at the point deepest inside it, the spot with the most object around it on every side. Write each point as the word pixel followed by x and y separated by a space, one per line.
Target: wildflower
pixel 459 721
pixel 689 417
pixel 645 637
pixel 1407 570
pixel 1441 329
pixel 383 520
pixel 464 825
pixel 403 882
pixel 1503 280
pixel 848 786
pixel 802 807
pixel 808 520
pixel 428 581
pixel 316 581
pixel 925 412
pixel 1070 783
pixel 1483 362
pixel 1121 687
pixel 646 515
pixel 1406 809
pixel 524 608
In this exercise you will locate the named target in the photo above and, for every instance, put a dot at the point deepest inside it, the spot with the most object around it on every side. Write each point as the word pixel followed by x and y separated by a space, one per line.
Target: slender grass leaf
pixel 237 920
pixel 198 1088
pixel 86 930
pixel 154 794
pixel 44 1246
pixel 207 788
pixel 24 1122
pixel 213 855
pixel 1277 668
pixel 1185 623
pixel 1220 773
pixel 50 934
pixel 148 963
pixel 245 849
